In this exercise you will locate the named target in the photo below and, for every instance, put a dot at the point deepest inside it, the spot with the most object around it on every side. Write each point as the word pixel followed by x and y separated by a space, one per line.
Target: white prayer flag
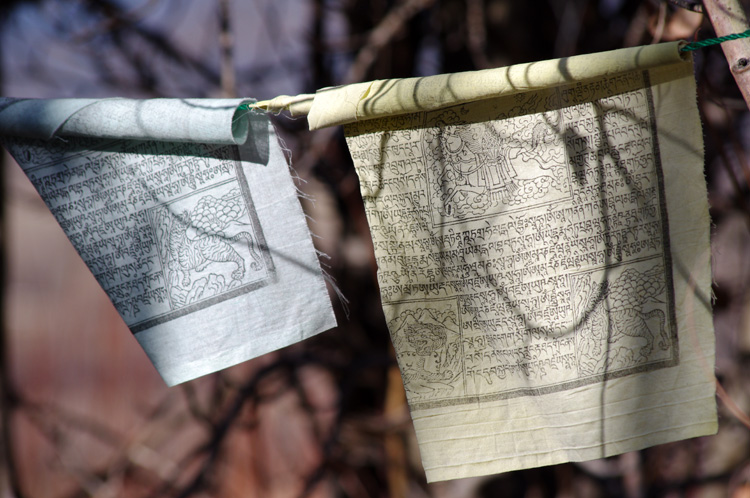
pixel 186 214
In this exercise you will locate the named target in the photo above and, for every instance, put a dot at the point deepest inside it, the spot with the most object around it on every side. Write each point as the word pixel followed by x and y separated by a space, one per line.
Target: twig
pixel 226 42
pixel 193 404
pixel 76 421
pixel 382 35
pixel 687 5
pixel 157 41
pixel 728 17
pixel 476 33
pixel 379 37
pixel 726 163
pixel 109 23
pixel 660 23
pixel 732 406
pixel 320 74
pixel 570 22
pixel 248 393
pixel 395 405
pixel 638 25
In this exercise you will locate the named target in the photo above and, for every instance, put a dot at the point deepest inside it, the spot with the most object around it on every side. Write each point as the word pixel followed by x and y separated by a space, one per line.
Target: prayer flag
pixel 542 238
pixel 186 214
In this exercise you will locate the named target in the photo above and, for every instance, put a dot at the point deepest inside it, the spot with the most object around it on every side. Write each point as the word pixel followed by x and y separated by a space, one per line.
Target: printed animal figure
pixel 434 364
pixel 628 297
pixel 618 310
pixel 197 253
pixel 593 335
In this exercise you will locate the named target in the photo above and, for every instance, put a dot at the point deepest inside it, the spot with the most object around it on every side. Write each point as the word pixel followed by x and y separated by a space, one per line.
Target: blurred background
pixel 84 414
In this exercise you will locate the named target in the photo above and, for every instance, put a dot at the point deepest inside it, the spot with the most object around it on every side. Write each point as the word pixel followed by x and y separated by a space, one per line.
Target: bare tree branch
pixel 383 33
pixel 477 34
pixel 226 43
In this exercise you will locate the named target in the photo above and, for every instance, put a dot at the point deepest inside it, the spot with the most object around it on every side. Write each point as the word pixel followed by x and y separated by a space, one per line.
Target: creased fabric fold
pixel 381 98
pixel 218 121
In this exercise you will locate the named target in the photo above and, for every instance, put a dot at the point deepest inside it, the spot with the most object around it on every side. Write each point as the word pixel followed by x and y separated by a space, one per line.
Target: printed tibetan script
pixel 528 249
pixel 164 232
pixel 202 248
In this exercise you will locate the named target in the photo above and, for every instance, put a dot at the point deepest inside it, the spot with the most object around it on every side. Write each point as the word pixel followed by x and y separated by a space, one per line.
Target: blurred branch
pixel 660 23
pixel 194 407
pixel 82 423
pixel 395 449
pixel 694 6
pixel 740 200
pixel 732 406
pixel 570 23
pixel 122 21
pixel 226 42
pixel 248 393
pixel 477 34
pixel 382 35
pixel 728 17
pixel 637 27
pixel 320 74
pixel 109 23
pixel 378 38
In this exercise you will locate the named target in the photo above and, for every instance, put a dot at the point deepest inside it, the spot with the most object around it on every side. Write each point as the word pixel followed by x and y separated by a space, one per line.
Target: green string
pixel 714 41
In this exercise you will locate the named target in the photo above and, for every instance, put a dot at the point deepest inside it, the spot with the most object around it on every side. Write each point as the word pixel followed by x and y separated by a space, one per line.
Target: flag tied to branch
pixel 541 233
pixel 542 239
pixel 186 214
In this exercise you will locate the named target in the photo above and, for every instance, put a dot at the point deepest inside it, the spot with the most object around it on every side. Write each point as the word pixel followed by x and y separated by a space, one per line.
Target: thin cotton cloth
pixel 543 260
pixel 195 233
pixel 383 98
pixel 214 121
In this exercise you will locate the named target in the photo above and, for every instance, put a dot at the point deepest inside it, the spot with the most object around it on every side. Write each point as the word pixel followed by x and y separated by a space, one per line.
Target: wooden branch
pixel 226 42
pixel 728 17
pixel 382 35
pixel 395 450
pixel 378 38
pixel 476 33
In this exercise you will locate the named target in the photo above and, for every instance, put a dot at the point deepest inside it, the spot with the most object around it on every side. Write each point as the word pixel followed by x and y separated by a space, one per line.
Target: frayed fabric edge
pixel 322 256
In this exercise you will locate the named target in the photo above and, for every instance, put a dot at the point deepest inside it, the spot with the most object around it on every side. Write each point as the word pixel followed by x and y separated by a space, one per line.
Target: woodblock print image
pixel 481 169
pixel 209 245
pixel 626 319
pixel 612 213
pixel 427 341
pixel 122 249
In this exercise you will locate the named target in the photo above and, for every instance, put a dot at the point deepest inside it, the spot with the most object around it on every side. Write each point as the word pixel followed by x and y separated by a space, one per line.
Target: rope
pixel 714 41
